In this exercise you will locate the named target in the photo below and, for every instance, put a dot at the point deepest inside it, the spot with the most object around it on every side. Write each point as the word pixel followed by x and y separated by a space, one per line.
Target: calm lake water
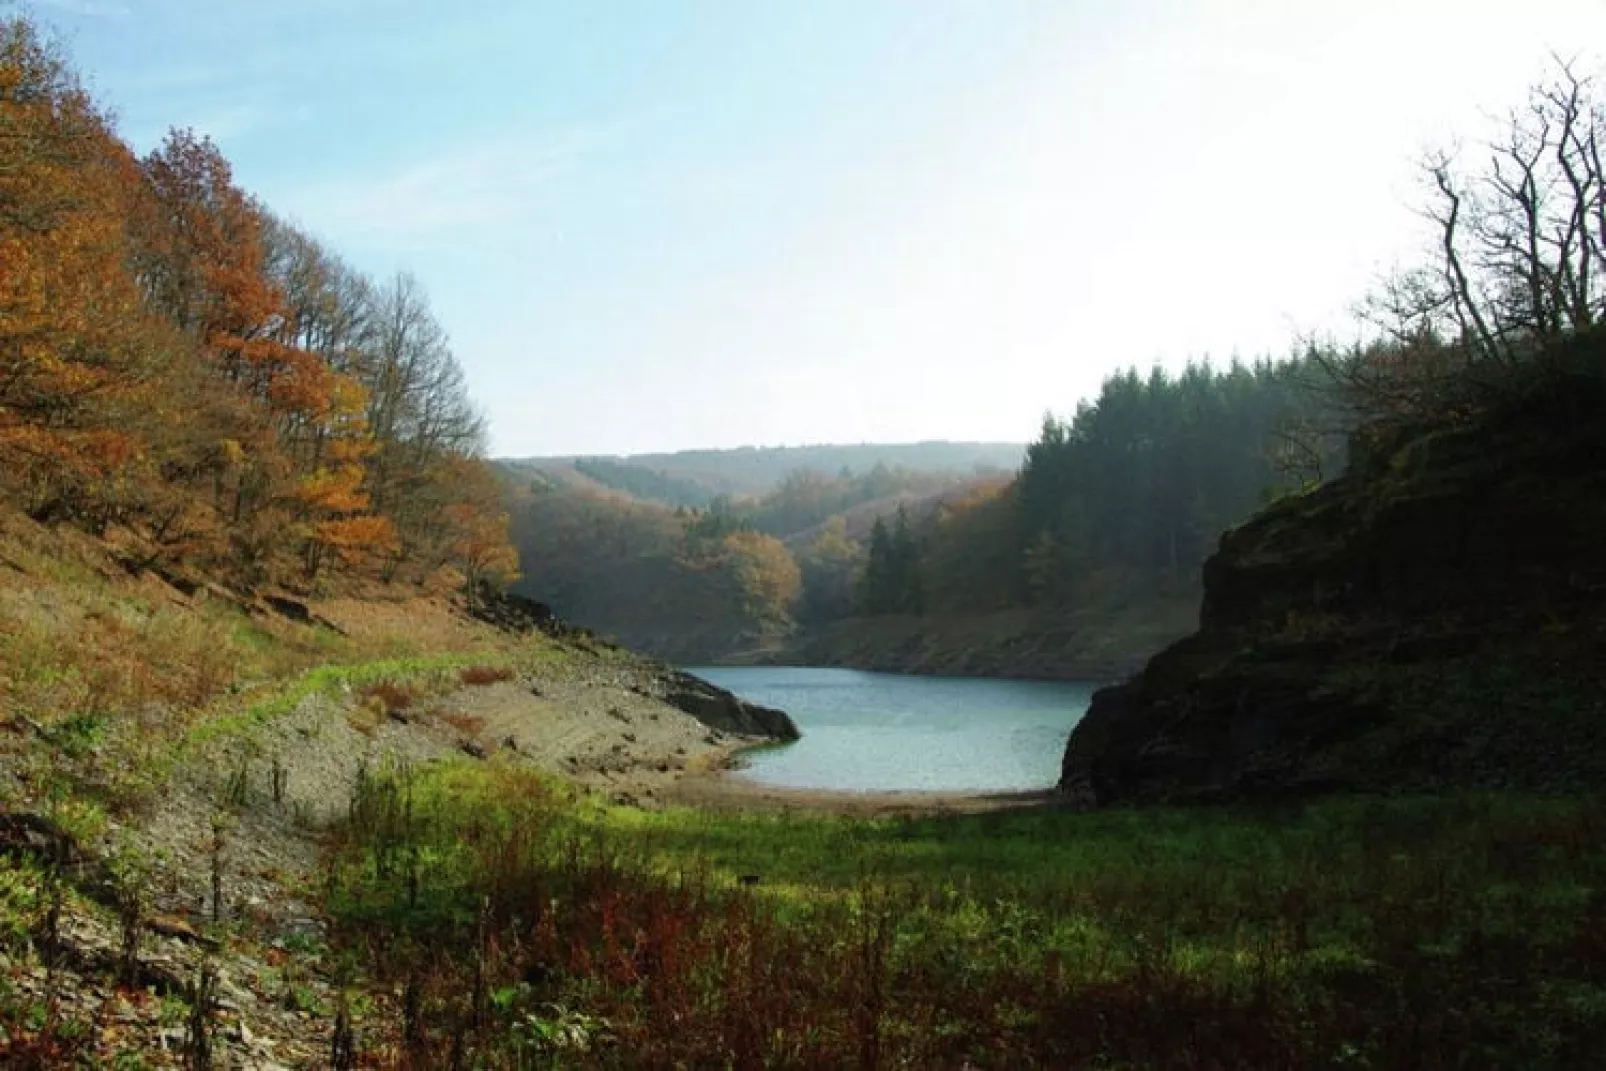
pixel 887 732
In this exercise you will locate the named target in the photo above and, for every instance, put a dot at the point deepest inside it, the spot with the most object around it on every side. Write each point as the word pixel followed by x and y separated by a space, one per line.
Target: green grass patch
pixel 1360 932
pixel 426 675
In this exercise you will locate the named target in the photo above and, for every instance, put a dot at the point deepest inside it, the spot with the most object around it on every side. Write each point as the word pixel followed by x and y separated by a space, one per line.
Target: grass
pixel 530 924
pixel 394 683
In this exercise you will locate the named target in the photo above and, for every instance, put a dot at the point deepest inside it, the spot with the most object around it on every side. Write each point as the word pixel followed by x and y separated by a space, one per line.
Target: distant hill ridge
pixel 695 477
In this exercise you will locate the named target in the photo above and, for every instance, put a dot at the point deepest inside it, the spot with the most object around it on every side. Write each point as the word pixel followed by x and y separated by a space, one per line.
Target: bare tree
pixel 1521 238
pixel 1518 258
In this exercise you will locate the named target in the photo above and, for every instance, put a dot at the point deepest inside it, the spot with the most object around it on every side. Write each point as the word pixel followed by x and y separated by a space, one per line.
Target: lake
pixel 870 732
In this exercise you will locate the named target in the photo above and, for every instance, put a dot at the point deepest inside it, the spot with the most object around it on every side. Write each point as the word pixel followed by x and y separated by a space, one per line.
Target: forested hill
pixel 1080 563
pixel 195 379
pixel 663 564
pixel 694 478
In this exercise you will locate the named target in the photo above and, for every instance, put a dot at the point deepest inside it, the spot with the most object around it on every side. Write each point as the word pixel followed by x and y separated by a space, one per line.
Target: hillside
pixel 1434 619
pixel 691 584
pixel 176 753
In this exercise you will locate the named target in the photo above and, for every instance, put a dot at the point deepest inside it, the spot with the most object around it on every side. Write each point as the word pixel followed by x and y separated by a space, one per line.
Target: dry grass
pixel 103 673
pixel 377 703
pixel 100 669
pixel 399 627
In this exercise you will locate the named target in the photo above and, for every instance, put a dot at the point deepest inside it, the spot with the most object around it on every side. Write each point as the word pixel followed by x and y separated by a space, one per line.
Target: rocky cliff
pixel 1432 619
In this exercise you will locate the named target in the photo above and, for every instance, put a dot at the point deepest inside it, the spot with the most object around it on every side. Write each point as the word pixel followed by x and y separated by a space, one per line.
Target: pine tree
pixel 877 589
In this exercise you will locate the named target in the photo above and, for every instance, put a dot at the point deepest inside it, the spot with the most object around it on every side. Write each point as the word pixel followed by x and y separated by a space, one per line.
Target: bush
pixel 476 676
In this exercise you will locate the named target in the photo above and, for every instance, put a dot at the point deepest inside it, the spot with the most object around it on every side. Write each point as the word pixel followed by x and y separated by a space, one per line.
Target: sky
pixel 664 224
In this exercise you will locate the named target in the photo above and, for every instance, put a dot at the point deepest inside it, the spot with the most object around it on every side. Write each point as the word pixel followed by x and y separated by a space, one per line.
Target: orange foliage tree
pixel 175 361
pixel 76 346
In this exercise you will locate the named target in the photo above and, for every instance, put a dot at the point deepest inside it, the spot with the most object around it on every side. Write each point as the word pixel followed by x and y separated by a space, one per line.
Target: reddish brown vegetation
pixel 467 724
pixel 578 950
pixel 393 697
pixel 477 676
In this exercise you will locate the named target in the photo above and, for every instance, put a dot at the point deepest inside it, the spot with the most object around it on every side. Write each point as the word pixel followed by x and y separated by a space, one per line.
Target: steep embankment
pixel 1085 646
pixel 175 754
pixel 1432 619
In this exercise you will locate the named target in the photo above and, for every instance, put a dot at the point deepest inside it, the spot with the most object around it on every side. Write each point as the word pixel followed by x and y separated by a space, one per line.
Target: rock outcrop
pixel 719 709
pixel 1434 618
pixel 516 614
pixel 713 706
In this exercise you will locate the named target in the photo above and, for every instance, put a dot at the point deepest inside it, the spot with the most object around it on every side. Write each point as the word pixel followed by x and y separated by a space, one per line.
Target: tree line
pixel 205 378
pixel 1120 501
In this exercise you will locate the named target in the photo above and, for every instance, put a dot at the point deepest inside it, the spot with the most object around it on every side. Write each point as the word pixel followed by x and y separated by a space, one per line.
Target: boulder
pixel 719 709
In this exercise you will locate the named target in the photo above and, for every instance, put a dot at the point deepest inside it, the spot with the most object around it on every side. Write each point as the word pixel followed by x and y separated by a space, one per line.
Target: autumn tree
pixel 765 576
pixel 201 263
pixel 829 568
pixel 78 352
pixel 181 364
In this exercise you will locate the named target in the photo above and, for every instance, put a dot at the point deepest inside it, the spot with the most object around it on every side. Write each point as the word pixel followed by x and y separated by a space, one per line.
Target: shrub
pixel 475 676
pixel 390 697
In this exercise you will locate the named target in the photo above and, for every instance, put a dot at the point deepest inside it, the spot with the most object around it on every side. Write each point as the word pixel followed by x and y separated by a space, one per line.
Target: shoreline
pixel 1095 680
pixel 1098 646
pixel 609 733
pixel 718 784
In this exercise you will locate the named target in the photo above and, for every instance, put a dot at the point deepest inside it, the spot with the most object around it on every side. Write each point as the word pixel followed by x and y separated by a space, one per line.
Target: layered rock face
pixel 1433 619
pixel 719 709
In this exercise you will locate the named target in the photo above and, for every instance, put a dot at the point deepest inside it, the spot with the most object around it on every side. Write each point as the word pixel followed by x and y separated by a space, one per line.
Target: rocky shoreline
pixel 1021 645
pixel 237 838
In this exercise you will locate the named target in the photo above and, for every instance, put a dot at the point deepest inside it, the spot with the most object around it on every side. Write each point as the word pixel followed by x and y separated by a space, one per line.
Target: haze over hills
pixel 695 477
pixel 1073 556
pixel 697 553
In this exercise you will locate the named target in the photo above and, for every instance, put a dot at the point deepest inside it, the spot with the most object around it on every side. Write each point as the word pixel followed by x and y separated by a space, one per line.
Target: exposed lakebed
pixel 884 732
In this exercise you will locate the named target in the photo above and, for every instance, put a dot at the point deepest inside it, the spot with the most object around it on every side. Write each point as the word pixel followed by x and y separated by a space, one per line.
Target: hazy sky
pixel 659 224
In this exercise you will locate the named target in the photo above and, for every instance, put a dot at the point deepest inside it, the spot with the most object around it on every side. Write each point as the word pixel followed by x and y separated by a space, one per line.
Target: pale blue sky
pixel 654 224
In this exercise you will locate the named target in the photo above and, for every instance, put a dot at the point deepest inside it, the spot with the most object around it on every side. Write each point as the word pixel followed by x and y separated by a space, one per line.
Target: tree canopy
pixel 206 379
